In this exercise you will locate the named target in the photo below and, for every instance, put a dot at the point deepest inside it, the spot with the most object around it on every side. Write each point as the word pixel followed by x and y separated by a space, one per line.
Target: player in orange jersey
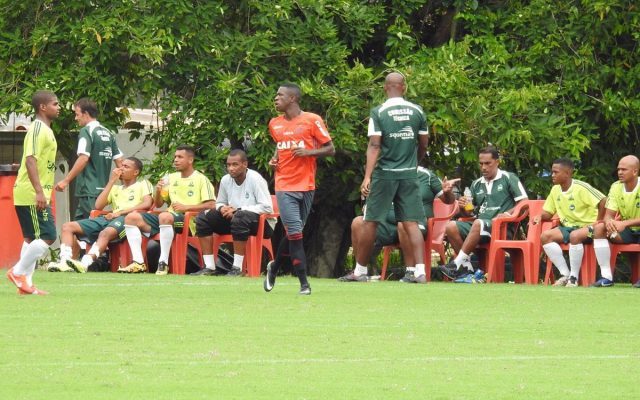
pixel 300 138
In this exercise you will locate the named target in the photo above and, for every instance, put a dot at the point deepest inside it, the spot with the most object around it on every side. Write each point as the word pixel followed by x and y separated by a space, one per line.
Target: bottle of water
pixel 467 195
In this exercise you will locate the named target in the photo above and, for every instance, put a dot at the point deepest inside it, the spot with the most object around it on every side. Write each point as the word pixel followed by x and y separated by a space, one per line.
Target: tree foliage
pixel 540 79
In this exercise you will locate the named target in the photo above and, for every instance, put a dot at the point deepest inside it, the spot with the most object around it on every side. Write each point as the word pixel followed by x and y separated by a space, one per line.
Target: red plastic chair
pixel 524 254
pixel 253 255
pixel 178 255
pixel 587 268
pixel 633 251
pixel 436 225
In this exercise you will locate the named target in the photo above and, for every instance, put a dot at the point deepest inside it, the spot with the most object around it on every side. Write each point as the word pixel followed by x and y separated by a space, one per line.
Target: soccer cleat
pixel 602 282
pixel 573 282
pixel 562 281
pixel 637 284
pixel 163 268
pixel 420 279
pixel 305 290
pixel 36 291
pixel 235 271
pixel 20 281
pixel 204 272
pixel 351 277
pixel 452 271
pixel 76 266
pixel 59 267
pixel 133 268
pixel 476 277
pixel 269 279
pixel 408 277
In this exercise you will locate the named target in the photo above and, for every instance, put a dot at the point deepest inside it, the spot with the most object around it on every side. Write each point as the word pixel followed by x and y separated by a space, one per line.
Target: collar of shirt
pixel 92 125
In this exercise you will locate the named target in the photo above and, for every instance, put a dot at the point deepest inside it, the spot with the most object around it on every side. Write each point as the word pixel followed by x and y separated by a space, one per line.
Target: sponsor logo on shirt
pixel 287 144
pixel 404 133
pixel 190 193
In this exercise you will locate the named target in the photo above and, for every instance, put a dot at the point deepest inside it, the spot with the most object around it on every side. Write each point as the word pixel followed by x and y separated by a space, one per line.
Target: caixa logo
pixel 291 144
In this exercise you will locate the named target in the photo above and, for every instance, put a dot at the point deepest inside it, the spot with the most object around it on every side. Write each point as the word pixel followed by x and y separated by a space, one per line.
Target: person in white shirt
pixel 243 196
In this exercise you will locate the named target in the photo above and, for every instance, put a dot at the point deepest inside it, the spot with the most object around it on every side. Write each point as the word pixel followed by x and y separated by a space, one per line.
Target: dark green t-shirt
pixel 497 196
pixel 398 122
pixel 100 145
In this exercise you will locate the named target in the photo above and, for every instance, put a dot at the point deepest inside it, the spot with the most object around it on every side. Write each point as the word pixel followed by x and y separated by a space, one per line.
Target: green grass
pixel 109 336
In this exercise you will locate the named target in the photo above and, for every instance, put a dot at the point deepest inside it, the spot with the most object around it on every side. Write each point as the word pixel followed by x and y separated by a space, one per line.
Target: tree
pixel 540 79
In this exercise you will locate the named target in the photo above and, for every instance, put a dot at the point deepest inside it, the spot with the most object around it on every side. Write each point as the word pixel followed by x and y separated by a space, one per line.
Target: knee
pixel 165 218
pixel 67 227
pixel 545 237
pixel 451 228
pixel 132 218
pixel 599 231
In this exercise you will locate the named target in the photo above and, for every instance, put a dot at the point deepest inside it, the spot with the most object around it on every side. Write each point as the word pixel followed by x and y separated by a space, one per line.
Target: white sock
pixel 463 260
pixel 419 270
pixel 66 252
pixel 603 255
pixel 576 251
pixel 86 260
pixel 27 263
pixel 554 252
pixel 134 238
pixel 94 250
pixel 360 270
pixel 23 249
pixel 209 261
pixel 166 237
pixel 237 261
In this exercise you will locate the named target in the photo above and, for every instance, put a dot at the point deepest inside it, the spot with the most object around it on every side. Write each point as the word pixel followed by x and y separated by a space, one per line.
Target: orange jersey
pixel 307 130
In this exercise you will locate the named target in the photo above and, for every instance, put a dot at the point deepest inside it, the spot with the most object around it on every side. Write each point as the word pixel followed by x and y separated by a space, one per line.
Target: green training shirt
pixel 99 144
pixel 398 122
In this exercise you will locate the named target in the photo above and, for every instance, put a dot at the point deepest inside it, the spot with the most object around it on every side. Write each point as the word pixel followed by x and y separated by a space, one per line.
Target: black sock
pixel 298 259
pixel 281 254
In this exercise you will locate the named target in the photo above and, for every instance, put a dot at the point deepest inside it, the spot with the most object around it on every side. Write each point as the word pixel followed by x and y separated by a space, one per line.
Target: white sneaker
pixel 562 281
pixel 573 282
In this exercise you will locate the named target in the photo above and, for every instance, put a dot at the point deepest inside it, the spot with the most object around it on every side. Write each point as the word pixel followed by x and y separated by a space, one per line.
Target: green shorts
pixel 629 237
pixel 92 227
pixel 84 207
pixel 36 224
pixel 566 232
pixel 387 233
pixel 404 194
pixel 154 222
pixel 464 227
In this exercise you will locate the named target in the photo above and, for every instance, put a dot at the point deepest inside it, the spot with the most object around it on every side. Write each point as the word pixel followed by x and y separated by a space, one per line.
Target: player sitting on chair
pixel 495 194
pixel 624 200
pixel 578 206
pixel 184 190
pixel 242 197
pixel 132 195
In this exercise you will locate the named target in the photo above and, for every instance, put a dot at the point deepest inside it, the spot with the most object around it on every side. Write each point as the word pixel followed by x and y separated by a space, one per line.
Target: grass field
pixel 109 336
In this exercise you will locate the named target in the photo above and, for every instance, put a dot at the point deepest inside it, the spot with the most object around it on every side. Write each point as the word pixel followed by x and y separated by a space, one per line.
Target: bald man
pixel 623 199
pixel 398 138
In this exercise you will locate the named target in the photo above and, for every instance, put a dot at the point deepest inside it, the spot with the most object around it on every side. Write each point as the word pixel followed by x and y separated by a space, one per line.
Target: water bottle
pixel 467 195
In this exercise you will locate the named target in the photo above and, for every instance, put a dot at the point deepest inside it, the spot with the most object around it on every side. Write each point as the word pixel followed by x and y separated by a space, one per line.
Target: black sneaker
pixel 204 272
pixel 408 277
pixel 235 271
pixel 163 268
pixel 269 279
pixel 351 277
pixel 452 271
pixel 305 290
pixel 637 284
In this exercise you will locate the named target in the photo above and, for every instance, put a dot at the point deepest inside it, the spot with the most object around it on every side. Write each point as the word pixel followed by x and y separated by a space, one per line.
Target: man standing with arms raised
pixel 32 191
pixel 300 138
pixel 390 174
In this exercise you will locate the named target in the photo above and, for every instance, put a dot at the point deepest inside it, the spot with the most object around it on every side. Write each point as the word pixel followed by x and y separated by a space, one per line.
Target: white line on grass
pixel 206 359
